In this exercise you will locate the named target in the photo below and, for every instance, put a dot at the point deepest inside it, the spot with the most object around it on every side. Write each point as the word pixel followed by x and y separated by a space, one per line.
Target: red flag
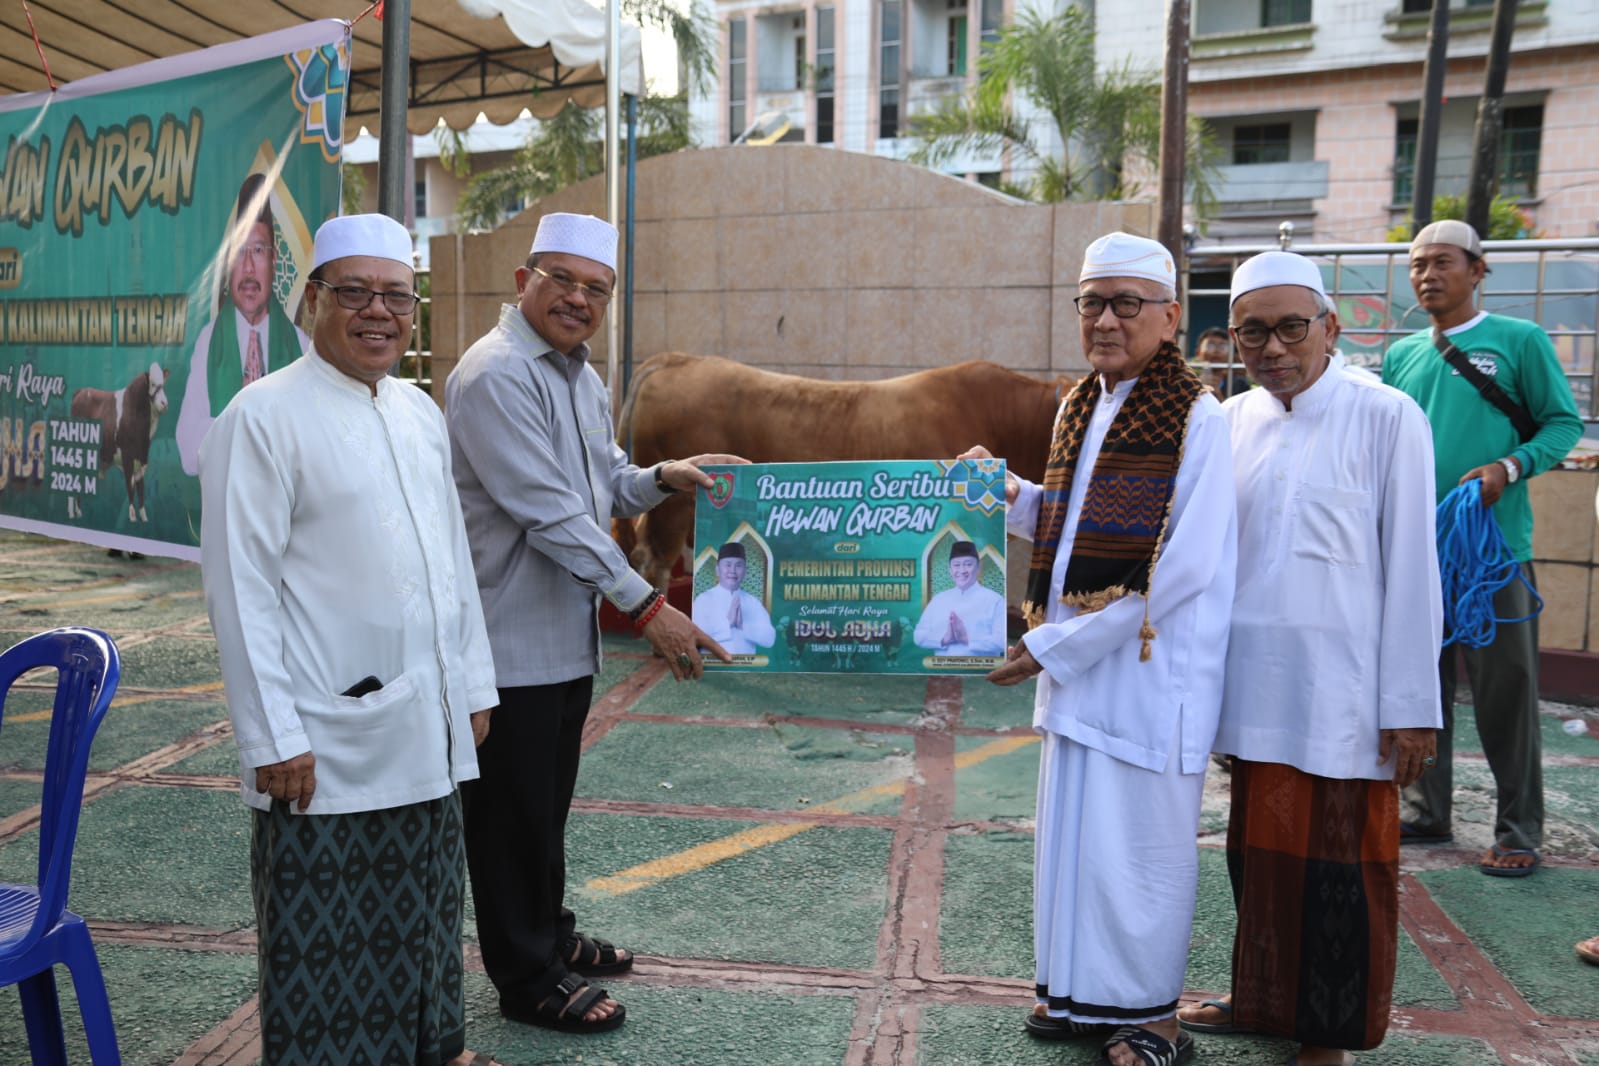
pixel 379 11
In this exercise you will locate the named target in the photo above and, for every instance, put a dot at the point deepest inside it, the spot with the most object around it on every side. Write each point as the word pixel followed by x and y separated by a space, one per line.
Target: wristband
pixel 660 482
pixel 650 612
pixel 1512 470
pixel 643 605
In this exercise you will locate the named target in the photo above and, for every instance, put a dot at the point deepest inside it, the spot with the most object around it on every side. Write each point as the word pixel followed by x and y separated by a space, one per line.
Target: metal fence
pixel 1554 283
pixel 416 365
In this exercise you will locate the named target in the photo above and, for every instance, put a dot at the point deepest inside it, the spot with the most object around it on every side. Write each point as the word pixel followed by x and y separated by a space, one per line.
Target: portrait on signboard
pixel 727 609
pixel 964 616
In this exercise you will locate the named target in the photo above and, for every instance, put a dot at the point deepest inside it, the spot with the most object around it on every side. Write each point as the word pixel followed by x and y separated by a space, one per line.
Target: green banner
pixel 155 232
pixel 865 568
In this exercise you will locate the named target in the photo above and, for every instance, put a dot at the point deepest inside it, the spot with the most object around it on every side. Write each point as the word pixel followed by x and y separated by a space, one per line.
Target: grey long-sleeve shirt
pixel 540 477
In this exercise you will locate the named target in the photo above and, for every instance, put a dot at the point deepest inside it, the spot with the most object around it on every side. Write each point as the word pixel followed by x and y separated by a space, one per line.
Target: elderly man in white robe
pixel 1128 600
pixel 1331 697
pixel 730 616
pixel 357 668
pixel 968 618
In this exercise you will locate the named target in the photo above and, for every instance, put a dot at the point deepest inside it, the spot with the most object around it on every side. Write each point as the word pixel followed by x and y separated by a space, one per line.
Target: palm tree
pixel 566 149
pixel 1107 120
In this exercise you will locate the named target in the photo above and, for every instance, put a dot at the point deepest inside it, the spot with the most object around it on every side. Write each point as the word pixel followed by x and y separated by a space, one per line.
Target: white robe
pixel 980 609
pixel 1338 615
pixel 332 548
pixel 710 612
pixel 1126 743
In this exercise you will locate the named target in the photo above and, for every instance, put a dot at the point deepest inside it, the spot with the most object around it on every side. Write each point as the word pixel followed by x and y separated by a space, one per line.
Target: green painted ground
pixel 806 916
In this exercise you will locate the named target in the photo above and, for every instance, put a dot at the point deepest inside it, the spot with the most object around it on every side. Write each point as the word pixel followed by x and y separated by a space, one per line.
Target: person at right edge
pixel 1476 436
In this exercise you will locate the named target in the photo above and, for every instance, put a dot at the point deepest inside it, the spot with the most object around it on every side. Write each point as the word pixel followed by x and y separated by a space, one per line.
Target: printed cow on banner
pixel 128 421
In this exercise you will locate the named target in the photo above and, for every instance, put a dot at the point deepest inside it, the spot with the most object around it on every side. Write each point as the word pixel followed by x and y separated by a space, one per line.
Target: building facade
pixel 1314 103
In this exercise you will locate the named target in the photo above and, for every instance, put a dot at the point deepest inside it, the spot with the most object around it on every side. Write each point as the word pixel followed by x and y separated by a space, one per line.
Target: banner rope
pixel 40 47
pixel 374 6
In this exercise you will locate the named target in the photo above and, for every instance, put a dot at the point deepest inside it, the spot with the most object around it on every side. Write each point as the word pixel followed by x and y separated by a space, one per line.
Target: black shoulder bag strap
pixel 1519 416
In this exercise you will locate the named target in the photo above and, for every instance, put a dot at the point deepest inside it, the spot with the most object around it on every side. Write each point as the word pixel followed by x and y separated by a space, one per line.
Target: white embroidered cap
pixel 1122 255
pixel 378 236
pixel 1276 268
pixel 584 235
pixel 1450 231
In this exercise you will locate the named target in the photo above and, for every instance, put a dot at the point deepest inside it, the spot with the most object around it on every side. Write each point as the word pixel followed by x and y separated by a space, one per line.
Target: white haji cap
pixel 1122 255
pixel 584 235
pixel 1450 231
pixel 1276 268
pixel 378 236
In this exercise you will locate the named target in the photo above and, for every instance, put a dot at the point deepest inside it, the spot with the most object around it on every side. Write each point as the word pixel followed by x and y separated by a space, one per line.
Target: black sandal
pixel 1046 1028
pixel 594 957
pixel 561 1011
pixel 1151 1048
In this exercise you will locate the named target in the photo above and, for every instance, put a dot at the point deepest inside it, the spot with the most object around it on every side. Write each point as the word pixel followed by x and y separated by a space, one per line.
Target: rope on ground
pixel 1474 563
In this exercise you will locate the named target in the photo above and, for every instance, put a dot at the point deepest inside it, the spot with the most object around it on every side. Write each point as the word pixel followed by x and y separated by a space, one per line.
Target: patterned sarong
pixel 359 927
pixel 1315 871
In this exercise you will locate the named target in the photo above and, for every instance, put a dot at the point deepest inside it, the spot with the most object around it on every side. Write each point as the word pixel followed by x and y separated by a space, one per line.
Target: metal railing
pixel 1554 283
pixel 416 365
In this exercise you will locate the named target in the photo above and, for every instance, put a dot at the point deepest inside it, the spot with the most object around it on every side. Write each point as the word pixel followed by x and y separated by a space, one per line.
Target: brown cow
pixel 128 420
pixel 681 405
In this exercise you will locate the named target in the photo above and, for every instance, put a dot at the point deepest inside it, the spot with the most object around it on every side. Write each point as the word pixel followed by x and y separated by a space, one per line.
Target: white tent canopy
pixel 467 56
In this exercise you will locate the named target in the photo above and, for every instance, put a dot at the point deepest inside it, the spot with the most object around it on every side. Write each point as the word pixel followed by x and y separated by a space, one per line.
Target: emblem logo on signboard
pixel 721 489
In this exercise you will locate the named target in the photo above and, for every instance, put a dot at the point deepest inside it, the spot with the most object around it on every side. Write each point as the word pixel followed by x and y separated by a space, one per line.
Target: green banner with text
pixel 861 567
pixel 152 219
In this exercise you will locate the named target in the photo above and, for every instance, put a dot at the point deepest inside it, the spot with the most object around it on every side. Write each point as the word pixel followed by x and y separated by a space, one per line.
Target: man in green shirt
pixel 1473 438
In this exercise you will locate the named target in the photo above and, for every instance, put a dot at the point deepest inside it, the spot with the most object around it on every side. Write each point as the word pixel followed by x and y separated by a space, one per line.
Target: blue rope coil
pixel 1474 563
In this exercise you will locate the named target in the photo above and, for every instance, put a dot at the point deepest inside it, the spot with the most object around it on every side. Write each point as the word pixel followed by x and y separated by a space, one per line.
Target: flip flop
pixel 1588 950
pixel 1510 871
pixel 1410 833
pixel 1211 1027
pixel 1047 1028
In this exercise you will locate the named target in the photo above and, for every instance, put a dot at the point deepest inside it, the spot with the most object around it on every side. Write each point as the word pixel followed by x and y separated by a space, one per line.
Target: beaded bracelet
pixel 649 612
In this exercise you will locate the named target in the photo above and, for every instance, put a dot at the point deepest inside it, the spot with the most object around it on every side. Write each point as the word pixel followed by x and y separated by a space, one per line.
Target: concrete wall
pixel 813 261
pixel 1565 550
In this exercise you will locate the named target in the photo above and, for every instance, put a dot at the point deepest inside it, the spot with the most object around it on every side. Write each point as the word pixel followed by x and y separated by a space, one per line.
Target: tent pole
pixel 627 288
pixel 613 180
pixel 394 97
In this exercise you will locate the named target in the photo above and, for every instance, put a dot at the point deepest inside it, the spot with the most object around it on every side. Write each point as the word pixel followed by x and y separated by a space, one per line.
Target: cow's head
pixel 158 388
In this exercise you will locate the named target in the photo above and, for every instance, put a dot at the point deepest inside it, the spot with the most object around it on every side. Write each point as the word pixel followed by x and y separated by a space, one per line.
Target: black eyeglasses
pixel 1122 306
pixel 357 298
pixel 1289 331
pixel 568 285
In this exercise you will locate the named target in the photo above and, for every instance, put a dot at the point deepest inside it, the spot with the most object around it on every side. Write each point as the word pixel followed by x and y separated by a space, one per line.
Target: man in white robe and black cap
pixel 1331 696
pixel 357 670
pixel 735 619
pixel 968 618
pixel 1128 599
pixel 541 477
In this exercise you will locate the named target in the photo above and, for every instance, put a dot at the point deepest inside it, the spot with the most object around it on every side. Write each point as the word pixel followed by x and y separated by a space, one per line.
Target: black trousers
pixel 516 834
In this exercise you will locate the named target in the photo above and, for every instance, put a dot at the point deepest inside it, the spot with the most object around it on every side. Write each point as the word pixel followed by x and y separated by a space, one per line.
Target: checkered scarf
pixel 1129 496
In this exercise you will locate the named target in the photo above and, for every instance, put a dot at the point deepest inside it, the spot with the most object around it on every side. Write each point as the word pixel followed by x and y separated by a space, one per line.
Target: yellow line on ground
pixel 703 855
pixel 129 700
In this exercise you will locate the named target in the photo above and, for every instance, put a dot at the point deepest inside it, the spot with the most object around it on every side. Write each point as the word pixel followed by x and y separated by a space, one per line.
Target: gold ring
pixel 684 661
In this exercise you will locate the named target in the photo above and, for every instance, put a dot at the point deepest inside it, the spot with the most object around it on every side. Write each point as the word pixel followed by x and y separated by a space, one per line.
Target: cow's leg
pixel 132 486
pixel 138 483
pixel 663 535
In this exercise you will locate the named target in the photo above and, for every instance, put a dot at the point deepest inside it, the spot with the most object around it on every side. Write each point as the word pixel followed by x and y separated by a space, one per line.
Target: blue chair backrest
pixel 88 668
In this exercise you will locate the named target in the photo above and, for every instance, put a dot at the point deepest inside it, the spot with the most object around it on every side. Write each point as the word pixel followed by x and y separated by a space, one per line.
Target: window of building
pixel 825 58
pixel 1284 12
pixel 1404 160
pixel 1519 142
pixel 421 196
pixel 956 55
pixel 799 51
pixel 888 69
pixel 1261 144
pixel 737 57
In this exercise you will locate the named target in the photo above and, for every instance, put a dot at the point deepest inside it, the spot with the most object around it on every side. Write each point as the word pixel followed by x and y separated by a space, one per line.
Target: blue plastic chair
pixel 36 929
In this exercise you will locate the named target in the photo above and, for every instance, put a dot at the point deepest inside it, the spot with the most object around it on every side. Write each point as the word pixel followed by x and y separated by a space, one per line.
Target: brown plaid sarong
pixel 1314 863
